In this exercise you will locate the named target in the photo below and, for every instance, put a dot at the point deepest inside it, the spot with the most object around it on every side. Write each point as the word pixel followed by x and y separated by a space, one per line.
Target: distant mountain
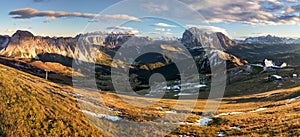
pixel 4 40
pixel 101 47
pixel 193 36
pixel 269 40
pixel 194 39
pixel 24 44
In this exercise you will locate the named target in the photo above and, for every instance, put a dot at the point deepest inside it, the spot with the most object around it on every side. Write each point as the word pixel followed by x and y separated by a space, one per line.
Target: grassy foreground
pixel 31 106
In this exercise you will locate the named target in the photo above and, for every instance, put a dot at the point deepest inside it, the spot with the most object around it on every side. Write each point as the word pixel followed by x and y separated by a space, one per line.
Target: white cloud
pixel 208 29
pixel 291 1
pixel 288 10
pixel 27 13
pixel 252 12
pixel 163 25
pixel 155 8
pixel 123 29
pixel 168 33
pixel 50 18
pixel 163 29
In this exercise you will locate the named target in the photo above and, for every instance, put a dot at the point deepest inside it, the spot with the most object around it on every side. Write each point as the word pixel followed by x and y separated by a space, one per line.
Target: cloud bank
pixel 208 28
pixel 163 25
pixel 27 13
pixel 251 12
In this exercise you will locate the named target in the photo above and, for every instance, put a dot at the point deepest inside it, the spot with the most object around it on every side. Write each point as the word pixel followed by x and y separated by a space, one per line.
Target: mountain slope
pixel 31 106
pixel 288 53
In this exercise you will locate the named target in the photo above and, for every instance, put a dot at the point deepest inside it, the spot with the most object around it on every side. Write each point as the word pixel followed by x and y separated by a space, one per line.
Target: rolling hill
pixel 31 106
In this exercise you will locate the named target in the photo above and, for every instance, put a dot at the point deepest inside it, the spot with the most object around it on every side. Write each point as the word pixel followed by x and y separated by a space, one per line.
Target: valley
pixel 257 101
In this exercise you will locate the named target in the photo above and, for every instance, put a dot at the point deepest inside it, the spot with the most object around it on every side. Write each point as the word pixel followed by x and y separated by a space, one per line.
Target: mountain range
pixel 56 54
pixel 269 39
pixel 98 47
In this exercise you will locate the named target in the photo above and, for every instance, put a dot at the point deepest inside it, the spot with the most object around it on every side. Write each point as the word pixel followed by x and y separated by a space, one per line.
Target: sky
pixel 157 18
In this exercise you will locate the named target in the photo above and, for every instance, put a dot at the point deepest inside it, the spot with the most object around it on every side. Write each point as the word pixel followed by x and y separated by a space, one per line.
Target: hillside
pixel 258 52
pixel 31 106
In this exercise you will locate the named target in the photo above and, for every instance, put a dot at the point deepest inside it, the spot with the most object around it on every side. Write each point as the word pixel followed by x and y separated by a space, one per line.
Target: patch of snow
pixel 186 84
pixel 233 102
pixel 268 63
pixel 148 95
pixel 176 87
pixel 230 113
pixel 277 76
pixel 171 112
pixel 185 123
pixel 110 109
pixel 72 94
pixel 235 128
pixel 293 99
pixel 204 121
pixel 271 64
pixel 269 95
pixel 103 116
pixel 258 65
pixel 221 134
pixel 257 110
pixel 86 102
pixel 200 86
pixel 118 111
pixel 184 94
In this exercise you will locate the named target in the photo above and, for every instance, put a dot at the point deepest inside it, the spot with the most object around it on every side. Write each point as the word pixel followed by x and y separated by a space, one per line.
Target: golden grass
pixel 31 106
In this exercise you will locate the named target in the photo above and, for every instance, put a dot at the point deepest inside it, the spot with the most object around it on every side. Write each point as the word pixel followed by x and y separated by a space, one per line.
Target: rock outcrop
pixel 204 46
pixel 86 47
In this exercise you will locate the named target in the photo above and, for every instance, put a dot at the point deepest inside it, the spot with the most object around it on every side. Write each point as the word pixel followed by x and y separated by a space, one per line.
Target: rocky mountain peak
pixel 22 34
pixel 225 41
pixel 193 37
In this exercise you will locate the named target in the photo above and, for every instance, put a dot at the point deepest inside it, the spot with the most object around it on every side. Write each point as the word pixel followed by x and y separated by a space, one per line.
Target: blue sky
pixel 168 18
